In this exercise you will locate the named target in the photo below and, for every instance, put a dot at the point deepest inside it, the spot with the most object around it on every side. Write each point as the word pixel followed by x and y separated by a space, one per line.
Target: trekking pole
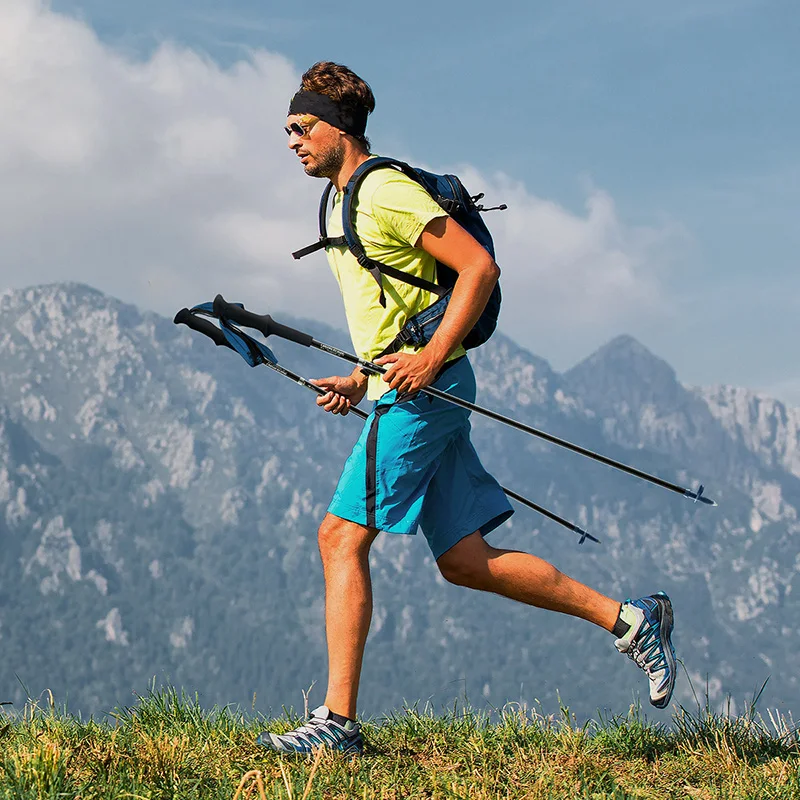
pixel 267 326
pixel 255 353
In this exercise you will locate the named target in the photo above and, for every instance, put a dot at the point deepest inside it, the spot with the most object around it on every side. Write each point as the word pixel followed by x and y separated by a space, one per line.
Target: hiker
pixel 414 464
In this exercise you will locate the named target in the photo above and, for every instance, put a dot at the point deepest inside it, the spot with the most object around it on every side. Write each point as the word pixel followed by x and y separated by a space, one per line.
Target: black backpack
pixel 450 194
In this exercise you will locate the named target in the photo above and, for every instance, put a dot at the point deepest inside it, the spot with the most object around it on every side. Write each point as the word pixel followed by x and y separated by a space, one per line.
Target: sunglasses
pixel 303 131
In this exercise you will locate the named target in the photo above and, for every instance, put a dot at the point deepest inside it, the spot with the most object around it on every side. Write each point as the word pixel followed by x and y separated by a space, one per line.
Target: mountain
pixel 159 503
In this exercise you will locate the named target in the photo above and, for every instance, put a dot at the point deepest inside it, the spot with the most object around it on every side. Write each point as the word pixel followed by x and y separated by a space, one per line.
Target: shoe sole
pixel 666 624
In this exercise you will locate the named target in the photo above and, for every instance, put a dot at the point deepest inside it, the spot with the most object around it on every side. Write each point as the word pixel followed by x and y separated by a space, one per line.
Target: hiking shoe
pixel 649 643
pixel 319 731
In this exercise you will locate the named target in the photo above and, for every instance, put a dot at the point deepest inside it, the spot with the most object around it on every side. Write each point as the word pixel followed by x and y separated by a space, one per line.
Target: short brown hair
pixel 341 84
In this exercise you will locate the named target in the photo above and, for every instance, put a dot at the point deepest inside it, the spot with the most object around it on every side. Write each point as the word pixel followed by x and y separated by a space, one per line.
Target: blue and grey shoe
pixel 319 731
pixel 649 643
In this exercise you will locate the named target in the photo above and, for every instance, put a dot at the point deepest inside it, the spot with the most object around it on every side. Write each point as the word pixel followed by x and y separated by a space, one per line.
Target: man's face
pixel 320 147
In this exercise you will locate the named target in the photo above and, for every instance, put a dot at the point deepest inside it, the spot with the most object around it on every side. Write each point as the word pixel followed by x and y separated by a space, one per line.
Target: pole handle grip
pixel 261 322
pixel 185 317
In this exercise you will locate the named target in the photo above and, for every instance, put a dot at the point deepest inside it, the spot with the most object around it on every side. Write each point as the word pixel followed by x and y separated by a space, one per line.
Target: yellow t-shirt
pixel 391 211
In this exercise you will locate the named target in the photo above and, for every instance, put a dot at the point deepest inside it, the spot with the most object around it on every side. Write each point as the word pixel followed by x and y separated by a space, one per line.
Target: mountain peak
pixel 624 370
pixel 627 354
pixel 628 349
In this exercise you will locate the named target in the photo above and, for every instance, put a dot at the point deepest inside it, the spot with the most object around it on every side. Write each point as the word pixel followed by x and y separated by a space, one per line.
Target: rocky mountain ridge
pixel 159 500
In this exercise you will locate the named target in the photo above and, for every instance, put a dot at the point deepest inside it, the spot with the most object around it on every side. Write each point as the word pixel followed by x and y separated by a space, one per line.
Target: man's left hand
pixel 409 372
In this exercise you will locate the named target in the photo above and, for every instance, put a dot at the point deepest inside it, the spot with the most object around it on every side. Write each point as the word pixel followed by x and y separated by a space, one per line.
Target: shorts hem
pixel 359 517
pixel 350 514
pixel 481 522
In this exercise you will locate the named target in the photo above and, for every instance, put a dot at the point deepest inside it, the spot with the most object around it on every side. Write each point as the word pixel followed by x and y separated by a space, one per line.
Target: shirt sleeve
pixel 402 209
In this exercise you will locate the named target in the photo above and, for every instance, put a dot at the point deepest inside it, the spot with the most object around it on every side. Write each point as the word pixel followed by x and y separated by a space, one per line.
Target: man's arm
pixel 477 274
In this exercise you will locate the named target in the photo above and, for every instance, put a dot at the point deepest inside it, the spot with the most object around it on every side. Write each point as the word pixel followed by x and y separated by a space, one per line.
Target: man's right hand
pixel 341 394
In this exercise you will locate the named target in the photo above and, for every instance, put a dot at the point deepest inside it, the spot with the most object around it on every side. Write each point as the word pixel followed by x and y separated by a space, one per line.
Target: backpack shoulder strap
pixel 323 241
pixel 376 268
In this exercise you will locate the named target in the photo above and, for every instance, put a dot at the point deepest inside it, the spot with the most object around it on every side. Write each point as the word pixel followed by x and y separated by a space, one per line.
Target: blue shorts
pixel 415 465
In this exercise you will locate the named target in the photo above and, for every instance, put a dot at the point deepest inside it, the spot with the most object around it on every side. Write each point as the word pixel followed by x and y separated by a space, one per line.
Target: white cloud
pixel 575 273
pixel 161 181
pixel 168 180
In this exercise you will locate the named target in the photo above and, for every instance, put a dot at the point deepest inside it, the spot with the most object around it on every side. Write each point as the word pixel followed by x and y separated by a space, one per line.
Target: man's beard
pixel 327 164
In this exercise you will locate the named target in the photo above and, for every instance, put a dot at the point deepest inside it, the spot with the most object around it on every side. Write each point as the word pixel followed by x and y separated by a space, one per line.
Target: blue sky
pixel 679 119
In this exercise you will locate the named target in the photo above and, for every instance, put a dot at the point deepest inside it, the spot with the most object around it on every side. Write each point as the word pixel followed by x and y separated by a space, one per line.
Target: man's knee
pixel 339 538
pixel 454 571
pixel 466 563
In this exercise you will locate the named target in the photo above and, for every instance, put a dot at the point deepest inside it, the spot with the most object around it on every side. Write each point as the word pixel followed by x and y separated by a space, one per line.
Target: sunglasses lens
pixel 295 128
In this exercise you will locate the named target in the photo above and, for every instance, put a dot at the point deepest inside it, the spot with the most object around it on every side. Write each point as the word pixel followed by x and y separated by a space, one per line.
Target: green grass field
pixel 167 746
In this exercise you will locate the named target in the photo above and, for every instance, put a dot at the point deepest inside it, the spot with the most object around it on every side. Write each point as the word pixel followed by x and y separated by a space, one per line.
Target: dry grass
pixel 167 746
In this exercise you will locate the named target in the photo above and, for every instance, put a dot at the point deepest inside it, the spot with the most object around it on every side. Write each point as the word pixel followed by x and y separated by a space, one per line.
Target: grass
pixel 167 746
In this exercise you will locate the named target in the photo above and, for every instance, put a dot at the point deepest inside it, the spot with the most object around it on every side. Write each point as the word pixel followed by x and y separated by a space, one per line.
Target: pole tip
pixel 698 495
pixel 585 535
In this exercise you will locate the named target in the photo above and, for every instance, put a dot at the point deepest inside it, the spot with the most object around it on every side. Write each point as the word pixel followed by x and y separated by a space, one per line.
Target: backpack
pixel 450 194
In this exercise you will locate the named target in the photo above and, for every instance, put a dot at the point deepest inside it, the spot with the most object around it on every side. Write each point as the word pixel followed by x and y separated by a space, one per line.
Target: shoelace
pixel 308 733
pixel 310 727
pixel 647 653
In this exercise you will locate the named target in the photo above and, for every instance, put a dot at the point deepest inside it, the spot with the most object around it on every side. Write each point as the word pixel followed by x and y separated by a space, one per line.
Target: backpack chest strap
pixel 320 244
pixel 324 240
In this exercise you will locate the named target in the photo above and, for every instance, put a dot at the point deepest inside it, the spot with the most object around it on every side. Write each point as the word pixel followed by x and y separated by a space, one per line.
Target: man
pixel 414 464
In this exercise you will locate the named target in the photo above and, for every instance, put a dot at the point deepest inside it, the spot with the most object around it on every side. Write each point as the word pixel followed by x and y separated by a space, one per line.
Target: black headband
pixel 349 118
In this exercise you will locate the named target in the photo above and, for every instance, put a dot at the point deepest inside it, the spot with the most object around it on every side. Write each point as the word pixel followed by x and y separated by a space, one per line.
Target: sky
pixel 647 153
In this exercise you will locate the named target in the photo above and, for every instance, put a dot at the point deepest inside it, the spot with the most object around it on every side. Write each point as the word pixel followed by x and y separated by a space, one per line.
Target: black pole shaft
pixel 550 515
pixel 520 426
pixel 268 326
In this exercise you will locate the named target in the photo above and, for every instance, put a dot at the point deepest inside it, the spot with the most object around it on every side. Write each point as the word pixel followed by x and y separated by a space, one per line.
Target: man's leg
pixel 642 627
pixel 344 548
pixel 474 563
